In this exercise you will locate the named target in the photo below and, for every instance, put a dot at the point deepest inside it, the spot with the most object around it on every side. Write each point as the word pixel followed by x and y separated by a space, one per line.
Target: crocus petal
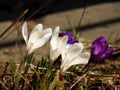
pixel 72 52
pixel 69 34
pixel 64 46
pixel 80 58
pixel 25 32
pixel 107 53
pixel 54 40
pixel 36 32
pixel 71 39
pixel 99 45
pixel 56 31
pixel 54 53
pixel 55 44
pixel 41 39
pixel 67 48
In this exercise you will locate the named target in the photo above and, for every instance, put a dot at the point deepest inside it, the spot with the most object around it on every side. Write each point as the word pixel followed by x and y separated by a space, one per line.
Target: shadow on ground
pixel 94 25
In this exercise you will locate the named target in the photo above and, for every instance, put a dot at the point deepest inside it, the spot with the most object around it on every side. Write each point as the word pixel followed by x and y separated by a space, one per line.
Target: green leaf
pixel 74 31
pixel 29 60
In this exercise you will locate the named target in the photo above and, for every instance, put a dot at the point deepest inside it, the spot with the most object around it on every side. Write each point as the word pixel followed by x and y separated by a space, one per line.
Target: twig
pixel 6 88
pixel 84 9
pixel 19 17
pixel 78 80
pixel 37 10
pixel 4 71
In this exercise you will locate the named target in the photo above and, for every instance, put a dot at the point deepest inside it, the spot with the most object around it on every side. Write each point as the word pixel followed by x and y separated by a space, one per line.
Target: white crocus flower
pixel 37 38
pixel 72 55
pixel 55 44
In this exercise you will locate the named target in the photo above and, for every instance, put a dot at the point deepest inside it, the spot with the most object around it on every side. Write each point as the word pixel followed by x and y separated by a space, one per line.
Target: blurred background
pixel 47 6
pixel 99 18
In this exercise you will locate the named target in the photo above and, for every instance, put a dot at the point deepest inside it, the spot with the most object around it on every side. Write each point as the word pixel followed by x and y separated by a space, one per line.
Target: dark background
pixel 10 9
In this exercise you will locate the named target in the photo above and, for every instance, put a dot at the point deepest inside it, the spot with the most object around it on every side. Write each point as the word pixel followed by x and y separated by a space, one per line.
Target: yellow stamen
pixel 39 33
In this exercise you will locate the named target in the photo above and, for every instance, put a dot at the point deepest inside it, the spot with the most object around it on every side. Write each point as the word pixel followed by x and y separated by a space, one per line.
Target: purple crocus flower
pixel 71 39
pixel 100 50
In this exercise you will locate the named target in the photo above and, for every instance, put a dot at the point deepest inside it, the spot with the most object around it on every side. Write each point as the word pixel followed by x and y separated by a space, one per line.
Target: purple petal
pixel 107 54
pixel 69 34
pixel 71 39
pixel 99 45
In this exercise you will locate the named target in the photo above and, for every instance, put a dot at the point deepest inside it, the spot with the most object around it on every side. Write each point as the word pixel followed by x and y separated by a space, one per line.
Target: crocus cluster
pixel 70 49
pixel 64 44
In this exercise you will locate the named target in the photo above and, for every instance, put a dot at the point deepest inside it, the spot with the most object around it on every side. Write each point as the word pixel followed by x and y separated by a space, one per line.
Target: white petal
pixel 79 59
pixel 25 32
pixel 64 46
pixel 56 31
pixel 54 42
pixel 73 56
pixel 70 52
pixel 77 47
pixel 41 40
pixel 36 32
pixel 37 27
pixel 65 61
pixel 55 50
pixel 54 54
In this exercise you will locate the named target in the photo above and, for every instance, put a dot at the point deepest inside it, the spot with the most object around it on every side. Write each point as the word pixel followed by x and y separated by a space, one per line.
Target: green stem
pixel 29 59
pixel 16 84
